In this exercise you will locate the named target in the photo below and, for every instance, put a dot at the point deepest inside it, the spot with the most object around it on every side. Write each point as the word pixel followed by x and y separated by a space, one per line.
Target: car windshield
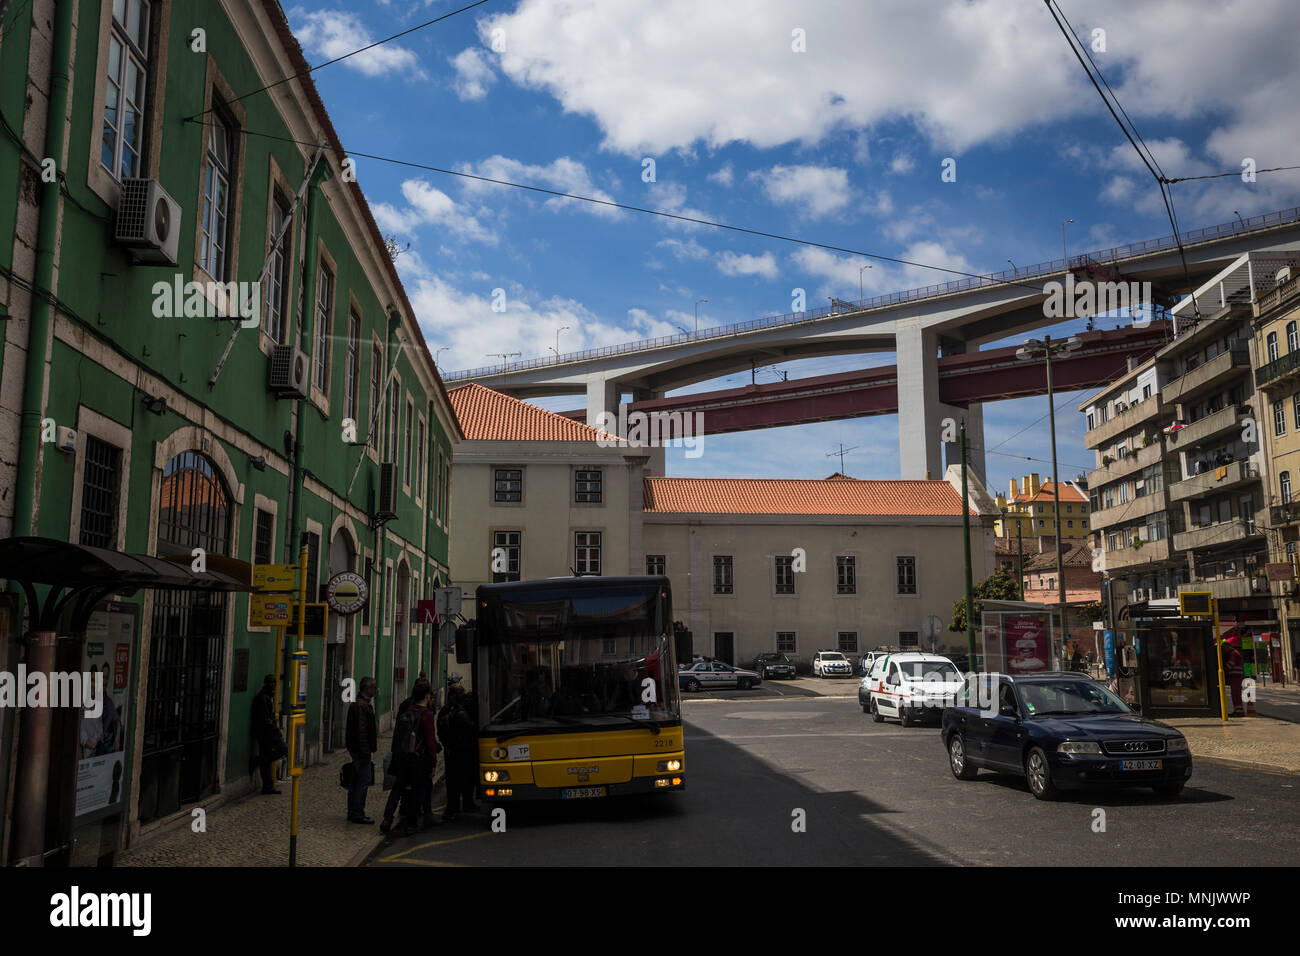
pixel 1062 697
pixel 929 670
pixel 832 657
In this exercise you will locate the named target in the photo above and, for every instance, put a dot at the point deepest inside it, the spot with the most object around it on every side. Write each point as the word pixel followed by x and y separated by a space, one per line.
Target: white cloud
pixel 561 175
pixel 690 249
pixel 428 205
pixel 901 164
pixel 817 190
pixel 723 177
pixel 1119 189
pixel 731 264
pixel 333 33
pixel 473 75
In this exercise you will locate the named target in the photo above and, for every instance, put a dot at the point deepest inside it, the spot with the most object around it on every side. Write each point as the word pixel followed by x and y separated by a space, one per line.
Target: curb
pixel 1248 765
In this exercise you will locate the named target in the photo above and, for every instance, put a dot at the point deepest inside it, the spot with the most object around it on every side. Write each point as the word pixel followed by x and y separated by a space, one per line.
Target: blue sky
pixel 841 143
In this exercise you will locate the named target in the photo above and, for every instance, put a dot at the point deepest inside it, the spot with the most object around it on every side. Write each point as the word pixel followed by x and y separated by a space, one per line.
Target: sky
pixel 829 121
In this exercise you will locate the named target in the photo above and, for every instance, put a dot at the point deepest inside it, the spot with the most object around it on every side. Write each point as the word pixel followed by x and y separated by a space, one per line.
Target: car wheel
pixel 962 768
pixel 1038 774
pixel 1169 789
pixel 876 715
pixel 743 684
pixel 905 716
pixel 692 684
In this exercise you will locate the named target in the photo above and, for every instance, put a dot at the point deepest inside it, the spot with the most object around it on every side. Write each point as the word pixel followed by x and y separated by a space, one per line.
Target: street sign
pixel 347 593
pixel 933 626
pixel 268 610
pixel 426 612
pixel 317 620
pixel 275 577
pixel 448 600
pixel 1194 603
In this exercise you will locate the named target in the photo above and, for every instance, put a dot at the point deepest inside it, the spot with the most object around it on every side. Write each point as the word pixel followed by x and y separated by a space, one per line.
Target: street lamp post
pixel 563 328
pixel 1065 263
pixel 697 314
pixel 1028 352
pixel 861 294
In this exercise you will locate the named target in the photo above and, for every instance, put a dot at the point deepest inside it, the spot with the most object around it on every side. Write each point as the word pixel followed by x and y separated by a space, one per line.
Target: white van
pixel 913 686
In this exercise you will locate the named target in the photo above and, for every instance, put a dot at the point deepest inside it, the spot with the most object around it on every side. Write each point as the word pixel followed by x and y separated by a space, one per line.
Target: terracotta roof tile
pixel 1069 492
pixel 1078 557
pixel 487 415
pixel 800 496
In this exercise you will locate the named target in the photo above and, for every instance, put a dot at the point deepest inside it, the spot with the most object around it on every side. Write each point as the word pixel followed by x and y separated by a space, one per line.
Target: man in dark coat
pixel 419 762
pixel 459 732
pixel 362 741
pixel 266 730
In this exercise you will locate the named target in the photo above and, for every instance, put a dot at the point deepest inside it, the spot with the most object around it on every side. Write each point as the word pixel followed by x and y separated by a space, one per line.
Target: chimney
pixel 1031 483
pixel 1014 490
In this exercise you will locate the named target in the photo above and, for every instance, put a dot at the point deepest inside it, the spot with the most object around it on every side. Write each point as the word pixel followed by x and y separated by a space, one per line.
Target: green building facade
pixel 128 96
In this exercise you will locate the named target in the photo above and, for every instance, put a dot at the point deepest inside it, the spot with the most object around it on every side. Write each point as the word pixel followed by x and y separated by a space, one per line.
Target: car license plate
pixel 577 793
pixel 1141 765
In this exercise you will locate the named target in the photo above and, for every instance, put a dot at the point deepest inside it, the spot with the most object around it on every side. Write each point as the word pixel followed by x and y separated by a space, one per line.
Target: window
pixel 656 564
pixel 785 642
pixel 352 380
pixel 1272 346
pixel 722 574
pixel 216 197
pixel 276 287
pixel 784 573
pixel 1295 400
pixel 1042 523
pixel 376 364
pixel 388 601
pixel 1123 492
pixel 446 490
pixel 99 493
pixel 506 552
pixel 410 432
pixel 437 491
pixel 1069 524
pixel 587 486
pixel 124 96
pixel 1092 421
pixel 1284 480
pixel 509 484
pixel 906 573
pixel 1069 508
pixel 586 552
pixel 422 452
pixel 848 642
pixel 909 638
pixel 1107 498
pixel 394 412
pixel 1112 541
pixel 846 574
pixel 263 536
pixel 1279 418
pixel 324 310
pixel 1292 341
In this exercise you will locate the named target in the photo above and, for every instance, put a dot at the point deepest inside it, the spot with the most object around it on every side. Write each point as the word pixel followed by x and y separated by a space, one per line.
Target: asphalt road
pixel 870 794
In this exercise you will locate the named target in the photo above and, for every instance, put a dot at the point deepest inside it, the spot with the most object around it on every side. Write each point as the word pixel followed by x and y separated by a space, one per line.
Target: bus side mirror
pixel 683 646
pixel 465 644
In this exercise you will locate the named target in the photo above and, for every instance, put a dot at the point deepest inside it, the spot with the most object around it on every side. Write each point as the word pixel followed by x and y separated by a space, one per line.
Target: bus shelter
pixel 1173 662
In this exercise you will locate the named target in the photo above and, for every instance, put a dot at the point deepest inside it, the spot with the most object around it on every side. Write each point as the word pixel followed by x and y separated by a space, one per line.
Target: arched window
pixel 1292 340
pixel 1272 346
pixel 1284 480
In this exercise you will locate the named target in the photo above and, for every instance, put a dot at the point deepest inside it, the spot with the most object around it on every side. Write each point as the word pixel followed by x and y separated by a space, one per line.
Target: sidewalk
pixel 254 830
pixel 1255 743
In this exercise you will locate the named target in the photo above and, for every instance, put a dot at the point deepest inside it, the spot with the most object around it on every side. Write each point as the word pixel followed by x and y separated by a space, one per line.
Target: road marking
pixel 883 733
pixel 398 857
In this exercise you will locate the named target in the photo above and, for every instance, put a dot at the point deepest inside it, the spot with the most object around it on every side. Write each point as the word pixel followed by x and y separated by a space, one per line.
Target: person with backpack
pixel 362 741
pixel 415 747
pixel 394 764
pixel 459 734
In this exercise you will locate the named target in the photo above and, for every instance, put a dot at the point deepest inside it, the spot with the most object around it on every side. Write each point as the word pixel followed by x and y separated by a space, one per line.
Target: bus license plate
pixel 577 793
pixel 1141 765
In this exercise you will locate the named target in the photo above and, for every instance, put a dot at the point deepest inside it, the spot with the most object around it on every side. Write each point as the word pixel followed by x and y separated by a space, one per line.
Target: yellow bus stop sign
pixel 275 577
pixel 269 610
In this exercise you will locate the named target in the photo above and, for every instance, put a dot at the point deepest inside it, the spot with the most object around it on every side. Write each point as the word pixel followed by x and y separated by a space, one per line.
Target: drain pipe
pixel 33 760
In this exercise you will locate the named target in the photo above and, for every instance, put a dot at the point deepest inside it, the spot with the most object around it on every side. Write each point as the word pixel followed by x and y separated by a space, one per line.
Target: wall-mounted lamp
pixel 258 462
pixel 156 405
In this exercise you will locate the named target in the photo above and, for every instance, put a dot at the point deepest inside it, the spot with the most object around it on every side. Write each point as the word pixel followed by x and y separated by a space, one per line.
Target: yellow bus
pixel 576 687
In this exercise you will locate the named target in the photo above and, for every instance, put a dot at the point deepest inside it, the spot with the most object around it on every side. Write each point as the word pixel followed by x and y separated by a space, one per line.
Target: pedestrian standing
pixel 266 729
pixel 415 740
pixel 362 741
pixel 459 732
pixel 1234 666
pixel 394 768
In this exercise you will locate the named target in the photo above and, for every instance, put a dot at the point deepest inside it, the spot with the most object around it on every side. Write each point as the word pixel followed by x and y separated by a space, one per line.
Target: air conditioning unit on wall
pixel 387 508
pixel 148 222
pixel 287 373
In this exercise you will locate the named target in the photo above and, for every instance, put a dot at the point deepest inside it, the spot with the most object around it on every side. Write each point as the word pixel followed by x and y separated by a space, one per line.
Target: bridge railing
pixel 1006 276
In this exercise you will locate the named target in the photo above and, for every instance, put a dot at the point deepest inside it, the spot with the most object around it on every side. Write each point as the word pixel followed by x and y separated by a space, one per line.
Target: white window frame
pixel 916 576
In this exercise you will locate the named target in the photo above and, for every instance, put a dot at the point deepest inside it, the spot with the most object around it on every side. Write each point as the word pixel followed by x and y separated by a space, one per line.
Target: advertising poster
pixel 1027 642
pixel 1177 668
pixel 101 767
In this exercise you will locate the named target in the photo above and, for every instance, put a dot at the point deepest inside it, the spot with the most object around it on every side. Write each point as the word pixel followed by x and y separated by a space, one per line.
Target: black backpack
pixel 407 737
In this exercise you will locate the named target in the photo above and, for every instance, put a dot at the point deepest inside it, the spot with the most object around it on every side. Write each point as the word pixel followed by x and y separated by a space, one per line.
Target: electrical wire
pixel 1235 172
pixel 337 59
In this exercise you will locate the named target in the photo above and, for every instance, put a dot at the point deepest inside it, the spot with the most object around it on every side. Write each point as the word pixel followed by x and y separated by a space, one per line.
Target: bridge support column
pixel 974 417
pixel 919 419
pixel 602 396
pixel 657 460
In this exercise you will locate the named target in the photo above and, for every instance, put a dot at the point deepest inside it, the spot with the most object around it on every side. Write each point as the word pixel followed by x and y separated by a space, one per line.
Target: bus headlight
pixel 669 766
pixel 496 776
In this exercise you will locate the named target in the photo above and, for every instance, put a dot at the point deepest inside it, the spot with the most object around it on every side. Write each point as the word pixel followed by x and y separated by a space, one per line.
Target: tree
pixel 394 250
pixel 1001 585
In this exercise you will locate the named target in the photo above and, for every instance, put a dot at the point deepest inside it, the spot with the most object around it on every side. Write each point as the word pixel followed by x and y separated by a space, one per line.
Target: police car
pixel 832 664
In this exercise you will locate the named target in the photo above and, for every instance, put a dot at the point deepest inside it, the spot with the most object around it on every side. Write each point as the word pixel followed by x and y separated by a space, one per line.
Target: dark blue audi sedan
pixel 1063 731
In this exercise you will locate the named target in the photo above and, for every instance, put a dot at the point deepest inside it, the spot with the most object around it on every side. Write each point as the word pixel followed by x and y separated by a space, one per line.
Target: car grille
pixel 1132 748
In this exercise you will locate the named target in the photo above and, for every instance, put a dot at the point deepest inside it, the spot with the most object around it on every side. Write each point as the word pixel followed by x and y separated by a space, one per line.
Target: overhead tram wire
pixel 318 66
pixel 640 209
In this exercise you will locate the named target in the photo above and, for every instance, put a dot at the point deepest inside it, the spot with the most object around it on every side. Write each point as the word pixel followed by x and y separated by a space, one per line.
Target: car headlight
pixel 1078 747
pixel 1177 745
pixel 496 776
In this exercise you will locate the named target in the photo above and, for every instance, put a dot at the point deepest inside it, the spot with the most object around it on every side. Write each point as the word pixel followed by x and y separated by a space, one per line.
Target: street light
pixel 1014 270
pixel 697 314
pixel 1027 353
pixel 441 349
pixel 1239 219
pixel 862 295
pixel 1065 265
pixel 556 350
pixel 685 330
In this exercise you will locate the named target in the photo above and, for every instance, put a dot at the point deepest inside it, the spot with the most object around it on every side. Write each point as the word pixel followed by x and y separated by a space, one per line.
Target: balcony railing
pixel 1281 367
pixel 1205 428
pixel 1235 473
pixel 1288 513
pixel 1150 552
pixel 1204 375
pixel 1271 300
pixel 1225 532
pixel 1124 421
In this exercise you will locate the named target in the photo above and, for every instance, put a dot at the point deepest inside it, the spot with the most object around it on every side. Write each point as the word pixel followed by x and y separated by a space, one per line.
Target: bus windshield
pixel 593 659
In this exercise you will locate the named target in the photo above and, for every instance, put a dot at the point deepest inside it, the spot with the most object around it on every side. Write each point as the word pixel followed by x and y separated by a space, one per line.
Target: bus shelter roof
pixel 33 560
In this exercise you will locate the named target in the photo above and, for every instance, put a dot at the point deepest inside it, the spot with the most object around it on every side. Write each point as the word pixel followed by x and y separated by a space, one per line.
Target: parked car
pixel 716 674
pixel 870 658
pixel 831 664
pixel 1063 731
pixel 871 681
pixel 914 686
pixel 774 664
